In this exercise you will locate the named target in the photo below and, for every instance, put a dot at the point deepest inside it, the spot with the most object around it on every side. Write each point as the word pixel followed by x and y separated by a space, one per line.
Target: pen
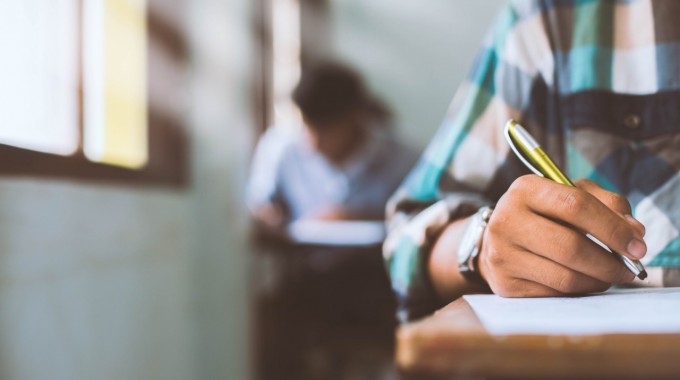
pixel 538 161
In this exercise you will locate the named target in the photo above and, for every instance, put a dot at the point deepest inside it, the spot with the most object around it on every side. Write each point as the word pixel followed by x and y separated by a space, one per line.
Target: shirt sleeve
pixel 263 186
pixel 453 177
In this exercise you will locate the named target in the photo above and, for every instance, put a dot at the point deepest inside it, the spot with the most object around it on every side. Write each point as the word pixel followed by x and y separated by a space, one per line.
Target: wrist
pixel 442 265
pixel 470 246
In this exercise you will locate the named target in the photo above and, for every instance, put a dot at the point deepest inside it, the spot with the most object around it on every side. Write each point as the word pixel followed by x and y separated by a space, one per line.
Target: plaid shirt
pixel 596 82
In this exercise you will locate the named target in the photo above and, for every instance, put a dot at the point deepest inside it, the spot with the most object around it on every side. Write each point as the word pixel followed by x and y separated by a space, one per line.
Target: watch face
pixel 469 239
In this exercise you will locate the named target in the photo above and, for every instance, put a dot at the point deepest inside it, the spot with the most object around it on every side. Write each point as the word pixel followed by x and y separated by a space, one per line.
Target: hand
pixel 535 246
pixel 340 213
pixel 330 214
pixel 270 216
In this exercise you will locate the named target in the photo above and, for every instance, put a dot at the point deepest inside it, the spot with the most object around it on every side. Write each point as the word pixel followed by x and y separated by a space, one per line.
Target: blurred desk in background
pixel 454 343
pixel 346 233
pixel 322 311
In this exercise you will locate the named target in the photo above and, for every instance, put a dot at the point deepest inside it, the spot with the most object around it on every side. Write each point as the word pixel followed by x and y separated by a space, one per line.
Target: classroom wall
pixel 220 116
pixel 414 53
pixel 101 281
pixel 94 282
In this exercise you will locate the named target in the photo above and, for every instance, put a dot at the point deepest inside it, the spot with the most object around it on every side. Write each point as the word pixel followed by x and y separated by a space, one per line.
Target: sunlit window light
pixel 39 75
pixel 286 60
pixel 115 82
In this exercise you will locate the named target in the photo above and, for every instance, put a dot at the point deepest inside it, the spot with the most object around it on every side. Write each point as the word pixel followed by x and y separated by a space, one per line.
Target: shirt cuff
pixel 407 248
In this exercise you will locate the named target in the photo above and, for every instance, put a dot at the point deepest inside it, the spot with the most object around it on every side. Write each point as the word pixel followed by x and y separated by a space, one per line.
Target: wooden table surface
pixel 454 342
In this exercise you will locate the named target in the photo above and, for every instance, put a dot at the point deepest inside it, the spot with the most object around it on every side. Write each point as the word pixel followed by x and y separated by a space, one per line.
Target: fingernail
pixel 637 248
pixel 636 224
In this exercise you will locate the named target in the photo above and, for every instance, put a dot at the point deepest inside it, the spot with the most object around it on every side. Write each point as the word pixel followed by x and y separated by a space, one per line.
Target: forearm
pixel 442 265
pixel 269 218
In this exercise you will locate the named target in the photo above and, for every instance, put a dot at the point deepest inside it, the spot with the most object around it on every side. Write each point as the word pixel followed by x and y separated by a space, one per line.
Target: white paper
pixel 340 233
pixel 649 310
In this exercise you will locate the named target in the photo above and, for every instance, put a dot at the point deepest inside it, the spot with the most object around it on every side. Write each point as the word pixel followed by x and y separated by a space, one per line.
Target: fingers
pixel 573 250
pixel 558 277
pixel 639 227
pixel 519 288
pixel 581 210
pixel 524 274
pixel 614 201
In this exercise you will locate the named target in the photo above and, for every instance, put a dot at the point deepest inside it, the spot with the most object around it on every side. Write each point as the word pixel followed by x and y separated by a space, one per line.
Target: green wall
pixel 414 53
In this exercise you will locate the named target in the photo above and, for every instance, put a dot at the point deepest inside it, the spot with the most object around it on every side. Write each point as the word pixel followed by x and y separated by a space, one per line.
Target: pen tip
pixel 642 275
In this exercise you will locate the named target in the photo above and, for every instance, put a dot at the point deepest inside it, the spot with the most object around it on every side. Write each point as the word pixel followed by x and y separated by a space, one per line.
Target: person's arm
pixel 442 266
pixel 263 194
pixel 343 213
pixel 453 177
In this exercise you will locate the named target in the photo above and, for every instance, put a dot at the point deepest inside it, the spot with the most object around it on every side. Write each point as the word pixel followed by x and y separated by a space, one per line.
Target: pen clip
pixel 518 153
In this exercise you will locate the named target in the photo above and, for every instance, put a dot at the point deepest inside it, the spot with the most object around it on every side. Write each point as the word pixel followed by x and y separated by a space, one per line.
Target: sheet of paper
pixel 340 233
pixel 615 311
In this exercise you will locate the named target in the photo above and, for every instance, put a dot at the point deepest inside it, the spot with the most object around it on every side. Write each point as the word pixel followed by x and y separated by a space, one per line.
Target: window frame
pixel 167 164
pixel 262 86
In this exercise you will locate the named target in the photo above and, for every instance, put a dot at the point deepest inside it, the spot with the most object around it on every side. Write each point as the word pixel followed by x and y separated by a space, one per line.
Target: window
pixel 290 33
pixel 114 86
pixel 285 60
pixel 77 95
pixel 39 75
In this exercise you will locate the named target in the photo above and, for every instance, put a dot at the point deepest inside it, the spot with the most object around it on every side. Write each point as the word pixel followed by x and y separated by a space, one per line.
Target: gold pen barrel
pixel 548 167
pixel 539 159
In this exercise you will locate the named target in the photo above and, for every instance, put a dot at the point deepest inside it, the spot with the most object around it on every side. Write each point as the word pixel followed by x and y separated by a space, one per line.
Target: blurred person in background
pixel 342 165
pixel 334 174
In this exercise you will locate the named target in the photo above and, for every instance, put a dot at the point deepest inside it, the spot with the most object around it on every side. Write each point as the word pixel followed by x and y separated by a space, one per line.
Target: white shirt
pixel 289 172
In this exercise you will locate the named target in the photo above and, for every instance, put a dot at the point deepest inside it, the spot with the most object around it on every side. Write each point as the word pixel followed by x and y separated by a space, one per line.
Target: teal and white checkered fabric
pixel 597 82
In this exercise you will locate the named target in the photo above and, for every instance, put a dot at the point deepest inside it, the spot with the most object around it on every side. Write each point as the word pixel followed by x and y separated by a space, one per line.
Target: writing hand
pixel 535 243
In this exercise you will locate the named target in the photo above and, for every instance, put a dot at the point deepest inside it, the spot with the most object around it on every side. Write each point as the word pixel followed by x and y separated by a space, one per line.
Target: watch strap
pixel 470 268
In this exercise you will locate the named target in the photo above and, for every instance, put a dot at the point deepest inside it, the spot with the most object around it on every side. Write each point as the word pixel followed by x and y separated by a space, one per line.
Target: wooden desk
pixel 454 342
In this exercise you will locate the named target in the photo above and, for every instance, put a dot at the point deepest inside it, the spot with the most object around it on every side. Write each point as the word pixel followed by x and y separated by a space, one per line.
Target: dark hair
pixel 327 91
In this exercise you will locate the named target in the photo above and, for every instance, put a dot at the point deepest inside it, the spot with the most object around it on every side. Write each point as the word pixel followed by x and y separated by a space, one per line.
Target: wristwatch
pixel 471 245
